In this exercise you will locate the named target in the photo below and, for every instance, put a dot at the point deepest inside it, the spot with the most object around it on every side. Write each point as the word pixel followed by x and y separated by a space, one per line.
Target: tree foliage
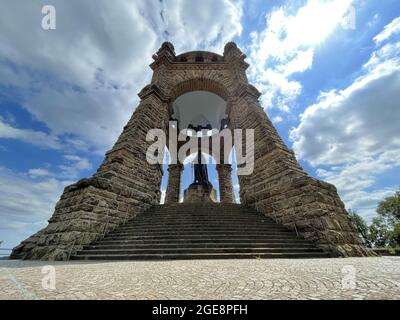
pixel 379 233
pixel 396 235
pixel 361 227
pixel 390 208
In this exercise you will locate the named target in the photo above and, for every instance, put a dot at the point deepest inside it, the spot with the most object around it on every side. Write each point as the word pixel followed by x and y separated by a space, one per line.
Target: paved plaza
pixel 352 278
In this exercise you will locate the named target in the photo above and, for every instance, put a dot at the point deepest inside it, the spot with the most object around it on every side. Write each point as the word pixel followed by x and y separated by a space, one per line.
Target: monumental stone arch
pixel 124 194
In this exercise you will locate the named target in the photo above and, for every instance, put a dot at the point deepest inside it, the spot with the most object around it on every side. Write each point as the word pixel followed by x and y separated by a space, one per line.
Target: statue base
pixel 200 193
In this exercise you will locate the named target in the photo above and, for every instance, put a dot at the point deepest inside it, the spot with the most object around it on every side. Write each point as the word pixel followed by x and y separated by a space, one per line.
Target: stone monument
pixel 126 184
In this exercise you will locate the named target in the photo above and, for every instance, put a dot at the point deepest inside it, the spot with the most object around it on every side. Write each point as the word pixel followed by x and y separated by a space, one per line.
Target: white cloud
pixel 300 63
pixel 37 138
pixel 25 204
pixel 277 119
pixel 39 172
pixel 191 25
pixel 81 81
pixel 82 78
pixel 74 165
pixel 286 46
pixel 389 30
pixel 27 200
pixel 70 169
pixel 357 122
pixel 353 181
pixel 193 158
pixel 356 130
pixel 374 20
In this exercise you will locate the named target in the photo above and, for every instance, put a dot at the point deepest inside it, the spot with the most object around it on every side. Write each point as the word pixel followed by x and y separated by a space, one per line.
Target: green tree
pixel 390 208
pixel 380 233
pixel 396 236
pixel 361 226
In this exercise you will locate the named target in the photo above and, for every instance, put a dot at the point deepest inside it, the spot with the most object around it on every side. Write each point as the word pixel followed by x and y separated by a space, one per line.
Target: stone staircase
pixel 199 231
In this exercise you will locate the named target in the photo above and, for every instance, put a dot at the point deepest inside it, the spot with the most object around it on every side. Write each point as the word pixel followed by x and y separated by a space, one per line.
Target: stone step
pixel 157 226
pixel 205 214
pixel 191 256
pixel 208 216
pixel 201 210
pixel 203 244
pixel 237 213
pixel 211 231
pixel 200 218
pixel 196 220
pixel 270 241
pixel 195 227
pixel 195 232
pixel 202 236
pixel 195 250
pixel 200 232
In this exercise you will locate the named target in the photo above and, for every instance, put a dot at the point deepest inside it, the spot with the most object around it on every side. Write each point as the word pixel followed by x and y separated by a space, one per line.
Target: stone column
pixel 174 183
pixel 225 183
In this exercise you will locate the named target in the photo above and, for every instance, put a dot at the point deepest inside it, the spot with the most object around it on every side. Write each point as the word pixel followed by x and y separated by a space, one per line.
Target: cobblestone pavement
pixel 353 278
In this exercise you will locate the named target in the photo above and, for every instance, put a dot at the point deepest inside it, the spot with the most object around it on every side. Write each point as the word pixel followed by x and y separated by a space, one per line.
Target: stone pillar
pixel 225 183
pixel 174 183
pixel 125 185
pixel 282 190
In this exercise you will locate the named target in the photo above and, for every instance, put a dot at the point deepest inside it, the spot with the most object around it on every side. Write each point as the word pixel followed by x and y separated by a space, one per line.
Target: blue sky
pixel 331 88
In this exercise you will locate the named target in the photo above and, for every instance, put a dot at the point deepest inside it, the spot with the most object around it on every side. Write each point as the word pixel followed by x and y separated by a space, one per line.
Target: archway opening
pixel 188 173
pixel 197 110
pixel 164 180
pixel 235 178
pixel 200 110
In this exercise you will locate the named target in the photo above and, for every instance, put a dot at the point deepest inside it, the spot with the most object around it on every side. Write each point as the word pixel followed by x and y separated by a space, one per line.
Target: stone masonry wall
pixel 124 186
pixel 281 189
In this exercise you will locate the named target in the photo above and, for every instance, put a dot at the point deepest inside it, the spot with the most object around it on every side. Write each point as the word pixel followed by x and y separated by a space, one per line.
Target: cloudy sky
pixel 330 84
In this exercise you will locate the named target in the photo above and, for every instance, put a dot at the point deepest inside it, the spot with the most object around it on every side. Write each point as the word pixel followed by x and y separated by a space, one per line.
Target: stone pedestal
pixel 200 193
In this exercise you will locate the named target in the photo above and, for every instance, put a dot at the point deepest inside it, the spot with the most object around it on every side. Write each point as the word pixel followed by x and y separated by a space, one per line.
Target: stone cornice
pixel 199 66
pixel 163 60
pixel 152 89
pixel 176 65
